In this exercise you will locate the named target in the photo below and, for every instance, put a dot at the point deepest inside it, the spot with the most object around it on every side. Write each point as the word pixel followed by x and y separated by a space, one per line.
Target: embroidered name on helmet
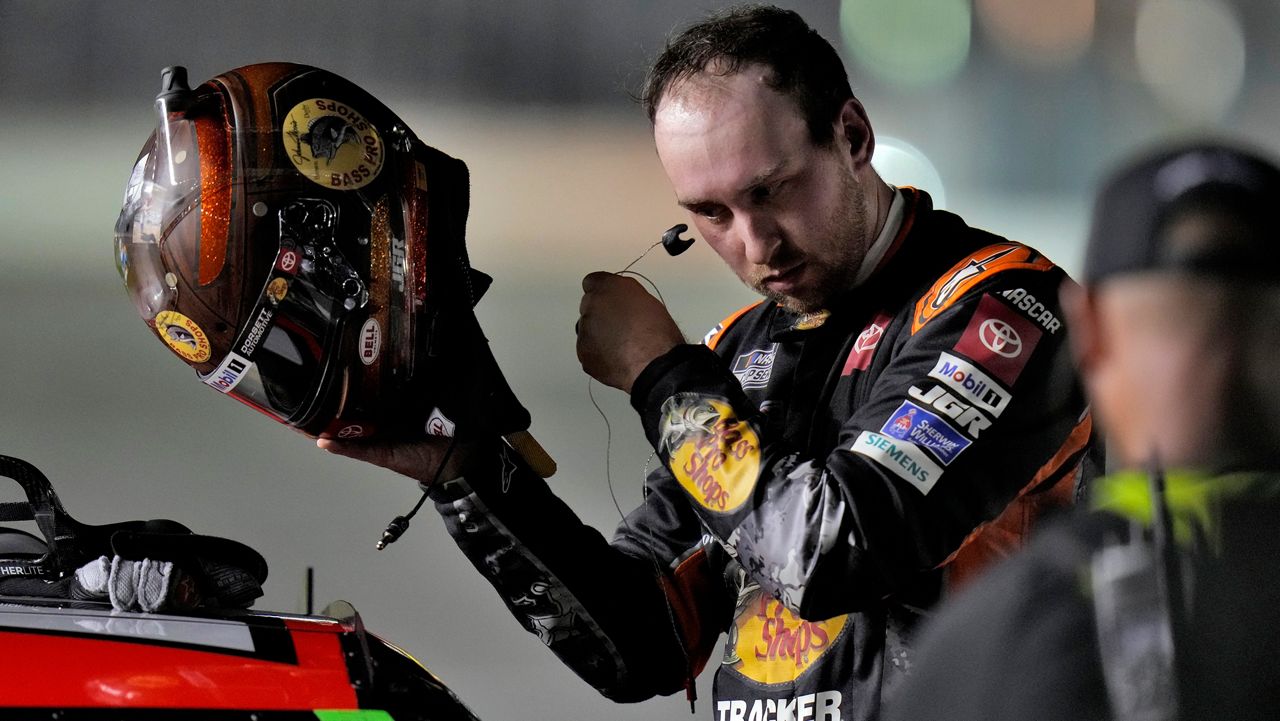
pixel 969 272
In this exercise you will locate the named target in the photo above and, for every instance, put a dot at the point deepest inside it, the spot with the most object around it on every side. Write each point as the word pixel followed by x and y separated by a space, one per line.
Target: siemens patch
pixel 903 458
pixel 913 423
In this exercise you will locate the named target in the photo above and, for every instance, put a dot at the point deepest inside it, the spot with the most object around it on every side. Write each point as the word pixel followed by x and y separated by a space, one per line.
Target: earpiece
pixel 672 241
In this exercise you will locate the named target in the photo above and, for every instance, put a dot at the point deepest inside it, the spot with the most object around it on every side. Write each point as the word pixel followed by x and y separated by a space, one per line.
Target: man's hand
pixel 419 460
pixel 622 328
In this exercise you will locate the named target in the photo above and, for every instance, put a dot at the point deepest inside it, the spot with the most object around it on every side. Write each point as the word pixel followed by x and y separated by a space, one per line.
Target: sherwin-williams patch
pixel 913 423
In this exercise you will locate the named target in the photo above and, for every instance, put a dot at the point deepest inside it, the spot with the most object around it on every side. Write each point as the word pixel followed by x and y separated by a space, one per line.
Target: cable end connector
pixel 394 530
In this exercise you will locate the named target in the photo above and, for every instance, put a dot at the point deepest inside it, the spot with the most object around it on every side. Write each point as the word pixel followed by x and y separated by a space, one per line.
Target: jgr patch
pixel 970 419
pixel 769 644
pixel 1035 310
pixel 913 423
pixel 714 455
pixel 865 346
pixel 902 458
pixel 182 335
pixel 753 368
pixel 999 339
pixel 332 144
pixel 972 384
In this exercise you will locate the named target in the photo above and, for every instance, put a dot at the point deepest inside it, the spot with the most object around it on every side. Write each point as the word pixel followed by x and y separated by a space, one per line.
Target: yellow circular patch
pixel 332 144
pixel 717 457
pixel 770 644
pixel 183 335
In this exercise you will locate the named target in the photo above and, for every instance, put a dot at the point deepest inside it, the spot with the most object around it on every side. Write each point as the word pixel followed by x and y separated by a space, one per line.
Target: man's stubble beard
pixel 836 262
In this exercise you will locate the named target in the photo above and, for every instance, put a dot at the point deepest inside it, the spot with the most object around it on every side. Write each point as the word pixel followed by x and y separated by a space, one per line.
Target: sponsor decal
pixel 287 260
pixel 277 289
pixel 819 706
pixel 370 342
pixel 439 425
pixel 397 263
pixel 355 430
pixel 183 336
pixel 20 570
pixel 999 339
pixel 809 321
pixel 332 144
pixel 769 644
pixel 972 384
pixel 1034 309
pixel 971 419
pixel 714 455
pixel 902 458
pixel 229 373
pixel 864 347
pixel 969 272
pixel 261 324
pixel 753 368
pixel 913 423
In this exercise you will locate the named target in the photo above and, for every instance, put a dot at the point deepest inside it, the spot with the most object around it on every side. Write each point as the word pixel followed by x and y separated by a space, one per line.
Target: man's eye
pixel 711 212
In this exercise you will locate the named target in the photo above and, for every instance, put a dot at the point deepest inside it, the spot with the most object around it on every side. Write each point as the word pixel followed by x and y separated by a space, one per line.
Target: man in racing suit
pixel 828 455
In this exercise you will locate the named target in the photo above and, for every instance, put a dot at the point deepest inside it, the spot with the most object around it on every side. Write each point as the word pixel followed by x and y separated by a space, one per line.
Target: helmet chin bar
pixel 311 290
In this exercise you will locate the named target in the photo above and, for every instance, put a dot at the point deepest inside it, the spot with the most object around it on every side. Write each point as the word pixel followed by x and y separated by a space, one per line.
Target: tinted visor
pixel 284 357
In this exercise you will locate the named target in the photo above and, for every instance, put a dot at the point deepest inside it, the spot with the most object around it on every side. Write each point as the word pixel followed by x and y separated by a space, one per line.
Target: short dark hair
pixel 804 65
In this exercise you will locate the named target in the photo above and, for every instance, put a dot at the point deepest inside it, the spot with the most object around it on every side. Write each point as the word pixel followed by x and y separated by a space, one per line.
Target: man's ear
pixel 854 127
pixel 1088 341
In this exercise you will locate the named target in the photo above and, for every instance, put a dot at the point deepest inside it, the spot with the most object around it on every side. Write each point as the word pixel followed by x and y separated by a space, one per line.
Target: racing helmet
pixel 288 236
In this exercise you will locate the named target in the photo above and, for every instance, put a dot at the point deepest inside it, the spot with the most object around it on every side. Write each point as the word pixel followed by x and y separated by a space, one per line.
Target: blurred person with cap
pixel 1161 600
pixel 825 457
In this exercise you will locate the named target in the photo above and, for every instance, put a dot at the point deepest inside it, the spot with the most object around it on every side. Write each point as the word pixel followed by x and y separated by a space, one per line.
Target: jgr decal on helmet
pixel 714 455
pixel 332 144
pixel 183 335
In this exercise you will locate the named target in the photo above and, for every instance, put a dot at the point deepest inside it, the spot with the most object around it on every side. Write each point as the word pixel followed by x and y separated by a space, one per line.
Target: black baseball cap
pixel 1201 209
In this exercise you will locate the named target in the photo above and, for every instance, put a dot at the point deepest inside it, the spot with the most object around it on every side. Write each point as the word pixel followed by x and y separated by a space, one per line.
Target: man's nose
pixel 760 237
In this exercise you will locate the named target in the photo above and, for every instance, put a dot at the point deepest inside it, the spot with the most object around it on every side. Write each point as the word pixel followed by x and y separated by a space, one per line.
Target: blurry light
pixel 1191 54
pixel 1039 33
pixel 907 42
pixel 901 163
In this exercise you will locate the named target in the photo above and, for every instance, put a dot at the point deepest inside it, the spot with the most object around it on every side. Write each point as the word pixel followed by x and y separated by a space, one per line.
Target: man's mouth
pixel 784 280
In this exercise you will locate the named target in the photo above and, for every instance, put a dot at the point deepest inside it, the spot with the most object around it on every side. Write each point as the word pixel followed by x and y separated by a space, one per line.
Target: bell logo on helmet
pixel 370 341
pixel 332 144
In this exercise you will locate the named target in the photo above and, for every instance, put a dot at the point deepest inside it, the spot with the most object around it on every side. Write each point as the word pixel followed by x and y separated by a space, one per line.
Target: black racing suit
pixel 817 472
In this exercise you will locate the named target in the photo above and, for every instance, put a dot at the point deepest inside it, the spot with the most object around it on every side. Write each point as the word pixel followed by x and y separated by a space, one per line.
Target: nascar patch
pixel 902 458
pixel 913 423
pixel 753 368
